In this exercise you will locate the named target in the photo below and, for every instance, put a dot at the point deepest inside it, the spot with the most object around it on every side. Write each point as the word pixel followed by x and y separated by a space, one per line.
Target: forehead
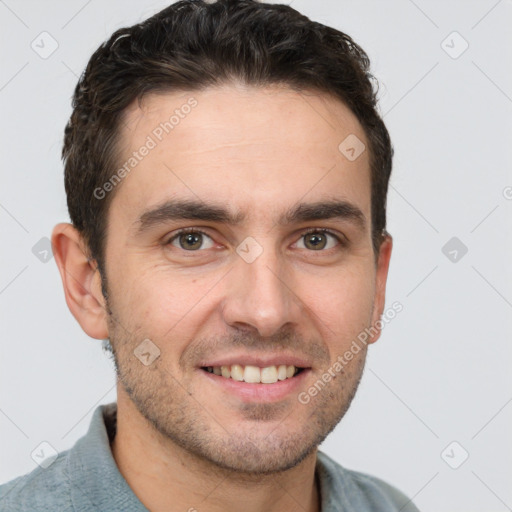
pixel 257 147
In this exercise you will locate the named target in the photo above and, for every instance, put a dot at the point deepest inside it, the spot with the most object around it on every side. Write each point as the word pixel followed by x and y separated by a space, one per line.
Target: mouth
pixel 254 374
pixel 257 384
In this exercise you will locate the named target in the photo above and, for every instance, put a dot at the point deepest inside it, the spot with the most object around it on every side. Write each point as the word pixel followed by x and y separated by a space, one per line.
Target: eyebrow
pixel 188 209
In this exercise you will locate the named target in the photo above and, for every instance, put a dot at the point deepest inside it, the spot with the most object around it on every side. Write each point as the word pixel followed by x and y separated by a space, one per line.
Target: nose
pixel 260 295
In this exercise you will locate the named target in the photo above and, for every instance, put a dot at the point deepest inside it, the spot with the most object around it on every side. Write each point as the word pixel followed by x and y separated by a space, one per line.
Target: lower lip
pixel 259 392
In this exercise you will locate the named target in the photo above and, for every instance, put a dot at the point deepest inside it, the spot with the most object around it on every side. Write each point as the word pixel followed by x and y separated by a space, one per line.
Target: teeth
pixel 254 374
pixel 237 372
pixel 269 375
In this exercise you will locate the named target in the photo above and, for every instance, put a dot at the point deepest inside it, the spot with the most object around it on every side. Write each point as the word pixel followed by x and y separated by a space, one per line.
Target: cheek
pixel 158 303
pixel 342 305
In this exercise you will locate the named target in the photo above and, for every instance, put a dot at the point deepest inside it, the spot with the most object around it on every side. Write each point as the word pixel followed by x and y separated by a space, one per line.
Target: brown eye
pixel 317 240
pixel 191 240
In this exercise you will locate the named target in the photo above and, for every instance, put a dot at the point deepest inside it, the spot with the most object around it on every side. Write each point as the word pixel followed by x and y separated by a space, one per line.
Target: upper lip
pixel 261 361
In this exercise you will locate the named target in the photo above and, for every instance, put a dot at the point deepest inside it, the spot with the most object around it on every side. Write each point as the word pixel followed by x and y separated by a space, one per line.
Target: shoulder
pixel 41 489
pixel 379 492
pixel 352 490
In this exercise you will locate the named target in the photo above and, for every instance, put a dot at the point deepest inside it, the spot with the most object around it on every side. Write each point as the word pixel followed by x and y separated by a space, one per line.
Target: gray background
pixel 441 371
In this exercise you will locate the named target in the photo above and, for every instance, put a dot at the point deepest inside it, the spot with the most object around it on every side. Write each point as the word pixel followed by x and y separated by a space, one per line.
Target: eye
pixel 190 240
pixel 318 239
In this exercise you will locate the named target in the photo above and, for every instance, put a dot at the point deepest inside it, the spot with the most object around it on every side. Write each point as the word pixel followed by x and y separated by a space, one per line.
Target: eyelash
pixel 323 230
pixel 339 239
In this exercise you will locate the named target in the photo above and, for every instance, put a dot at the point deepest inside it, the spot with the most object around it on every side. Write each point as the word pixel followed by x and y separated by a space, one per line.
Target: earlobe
pixel 81 281
pixel 380 285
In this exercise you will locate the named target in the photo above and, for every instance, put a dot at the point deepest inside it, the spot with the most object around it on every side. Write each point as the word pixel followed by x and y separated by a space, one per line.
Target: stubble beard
pixel 183 421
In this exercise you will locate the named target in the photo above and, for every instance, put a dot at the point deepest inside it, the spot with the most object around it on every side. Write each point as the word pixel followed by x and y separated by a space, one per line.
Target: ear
pixel 380 285
pixel 81 280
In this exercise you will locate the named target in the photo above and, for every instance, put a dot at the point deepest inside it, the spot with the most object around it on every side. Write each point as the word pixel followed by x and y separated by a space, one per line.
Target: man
pixel 226 174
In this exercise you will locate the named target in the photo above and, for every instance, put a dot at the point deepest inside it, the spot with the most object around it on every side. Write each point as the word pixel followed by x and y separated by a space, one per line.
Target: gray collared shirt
pixel 86 478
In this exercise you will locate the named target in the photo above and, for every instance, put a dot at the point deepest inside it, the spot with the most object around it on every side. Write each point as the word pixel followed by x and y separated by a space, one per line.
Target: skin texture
pixel 183 442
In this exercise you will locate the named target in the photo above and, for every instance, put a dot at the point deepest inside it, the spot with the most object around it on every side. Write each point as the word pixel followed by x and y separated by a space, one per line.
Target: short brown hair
pixel 192 45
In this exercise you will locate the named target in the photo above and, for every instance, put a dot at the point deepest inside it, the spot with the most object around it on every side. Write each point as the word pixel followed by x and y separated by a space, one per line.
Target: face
pixel 275 270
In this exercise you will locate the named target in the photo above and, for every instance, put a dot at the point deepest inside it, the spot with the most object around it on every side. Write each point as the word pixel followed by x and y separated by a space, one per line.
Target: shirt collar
pixel 93 476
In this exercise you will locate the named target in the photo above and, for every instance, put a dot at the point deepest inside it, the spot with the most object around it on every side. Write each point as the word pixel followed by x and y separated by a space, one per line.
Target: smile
pixel 254 374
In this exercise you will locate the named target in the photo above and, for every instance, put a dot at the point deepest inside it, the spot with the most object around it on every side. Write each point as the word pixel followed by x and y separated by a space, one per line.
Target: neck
pixel 162 475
